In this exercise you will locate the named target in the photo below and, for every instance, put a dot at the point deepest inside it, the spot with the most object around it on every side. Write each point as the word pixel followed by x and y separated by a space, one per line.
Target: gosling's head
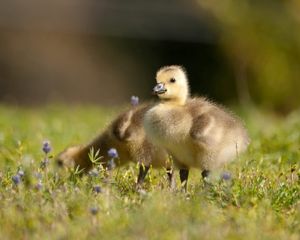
pixel 172 84
pixel 68 157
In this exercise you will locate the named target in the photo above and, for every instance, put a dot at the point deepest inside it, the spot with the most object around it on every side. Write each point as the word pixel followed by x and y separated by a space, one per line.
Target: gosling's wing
pixel 209 121
pixel 129 124
pixel 201 125
pixel 135 130
pixel 199 110
pixel 121 124
pixel 213 124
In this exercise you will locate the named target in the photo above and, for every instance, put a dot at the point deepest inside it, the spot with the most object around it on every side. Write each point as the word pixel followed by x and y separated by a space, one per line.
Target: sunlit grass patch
pixel 255 197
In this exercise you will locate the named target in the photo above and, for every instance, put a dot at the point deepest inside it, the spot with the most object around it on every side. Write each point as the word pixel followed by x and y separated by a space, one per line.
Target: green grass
pixel 261 201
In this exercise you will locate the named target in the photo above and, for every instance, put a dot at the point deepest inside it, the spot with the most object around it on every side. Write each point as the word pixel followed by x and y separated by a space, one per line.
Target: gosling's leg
pixel 171 179
pixel 184 175
pixel 142 174
pixel 205 173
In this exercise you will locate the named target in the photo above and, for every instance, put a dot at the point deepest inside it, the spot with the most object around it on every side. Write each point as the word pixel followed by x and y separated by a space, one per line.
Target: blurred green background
pixel 102 52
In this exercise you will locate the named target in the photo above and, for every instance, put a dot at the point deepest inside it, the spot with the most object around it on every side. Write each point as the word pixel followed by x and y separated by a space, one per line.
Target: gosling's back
pixel 126 134
pixel 198 134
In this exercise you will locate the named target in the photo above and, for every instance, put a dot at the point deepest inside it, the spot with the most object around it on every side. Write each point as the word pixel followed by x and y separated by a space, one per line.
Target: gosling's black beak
pixel 159 88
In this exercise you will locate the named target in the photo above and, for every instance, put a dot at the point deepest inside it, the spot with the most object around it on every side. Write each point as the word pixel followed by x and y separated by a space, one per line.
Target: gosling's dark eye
pixel 172 80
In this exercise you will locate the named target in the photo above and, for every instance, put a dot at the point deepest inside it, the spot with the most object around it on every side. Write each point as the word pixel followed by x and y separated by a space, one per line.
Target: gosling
pixel 196 132
pixel 126 134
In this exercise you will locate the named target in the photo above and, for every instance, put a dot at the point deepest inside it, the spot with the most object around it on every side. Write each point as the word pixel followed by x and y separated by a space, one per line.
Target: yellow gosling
pixel 196 132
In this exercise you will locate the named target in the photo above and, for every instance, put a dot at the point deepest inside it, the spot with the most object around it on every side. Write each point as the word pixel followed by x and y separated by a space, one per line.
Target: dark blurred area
pixel 89 51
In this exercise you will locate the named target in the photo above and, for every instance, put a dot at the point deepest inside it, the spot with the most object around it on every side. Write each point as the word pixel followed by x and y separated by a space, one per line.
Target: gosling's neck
pixel 176 101
pixel 99 143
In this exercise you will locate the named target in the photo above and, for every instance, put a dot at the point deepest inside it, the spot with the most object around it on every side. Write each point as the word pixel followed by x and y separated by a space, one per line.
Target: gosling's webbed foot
pixel 205 176
pixel 205 173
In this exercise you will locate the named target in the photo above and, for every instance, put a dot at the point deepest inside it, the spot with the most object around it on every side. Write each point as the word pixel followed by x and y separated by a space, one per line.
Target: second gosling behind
pixel 126 134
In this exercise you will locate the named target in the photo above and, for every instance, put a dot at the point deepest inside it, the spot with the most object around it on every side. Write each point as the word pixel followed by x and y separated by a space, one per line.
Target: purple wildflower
pixel 94 210
pixel 44 163
pixel 111 164
pixel 46 147
pixel 134 100
pixel 16 179
pixel 226 176
pixel 20 173
pixel 39 186
pixel 93 173
pixel 38 175
pixel 113 153
pixel 97 189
